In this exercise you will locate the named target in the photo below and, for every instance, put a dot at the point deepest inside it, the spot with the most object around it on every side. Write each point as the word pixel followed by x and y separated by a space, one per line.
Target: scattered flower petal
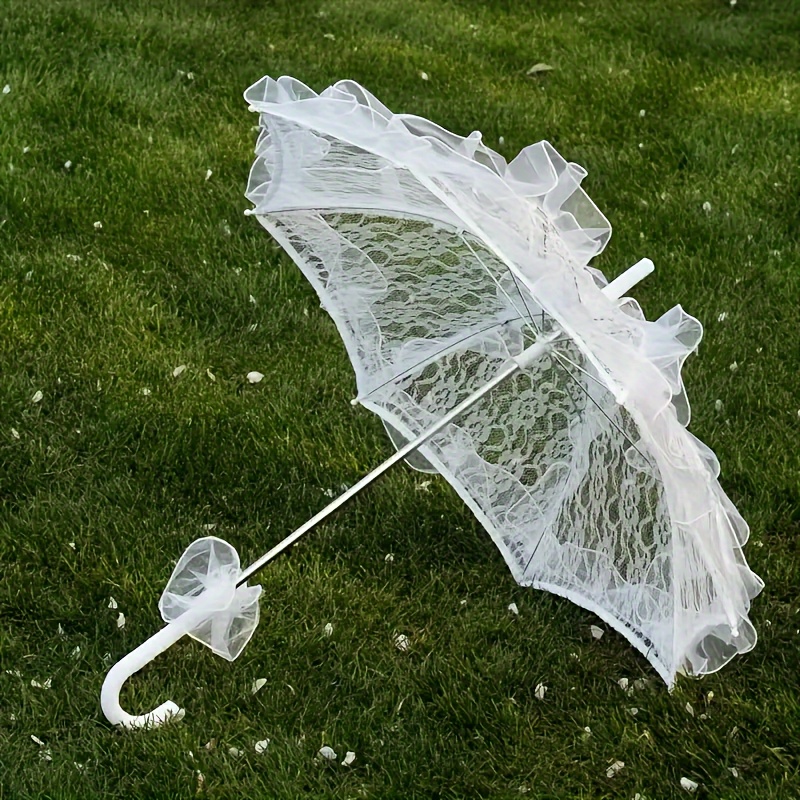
pixel 235 752
pixel 633 711
pixel 60 629
pixel 146 392
pixel 46 685
pixel 328 629
pixel 121 620
pixel 210 745
pixel 211 375
pixel 597 632
pixel 733 771
pixel 253 301
pixel 37 740
pixel 424 76
pixel 689 709
pixel 623 684
pixel 402 642
pixel 540 691
pixel 6 89
pixel 718 405
pixel 389 558
pixel 46 754
pixel 76 651
pixel 98 226
pixel 26 150
pixel 722 317
pixel 37 397
pixel 261 747
pixel 501 140
pixel 209 173
pixel 614 768
pixel 327 752
pixel 258 685
pixel 255 377
pixel 178 371
pixel 15 433
pixel 112 603
pixel 512 607
pixel 733 367
pixel 536 69
pixel 707 207
pixel 67 165
pixel 349 758
pixel 688 785
pixel 71 545
pixel 642 112
pixel 201 782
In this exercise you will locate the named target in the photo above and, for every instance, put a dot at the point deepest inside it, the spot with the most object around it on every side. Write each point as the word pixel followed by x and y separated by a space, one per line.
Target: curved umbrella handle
pixel 133 662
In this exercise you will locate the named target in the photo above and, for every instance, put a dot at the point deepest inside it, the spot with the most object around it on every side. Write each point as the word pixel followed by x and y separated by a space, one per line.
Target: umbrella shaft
pixel 530 354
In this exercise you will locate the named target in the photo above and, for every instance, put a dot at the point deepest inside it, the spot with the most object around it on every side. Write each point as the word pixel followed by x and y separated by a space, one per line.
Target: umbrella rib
pixel 438 353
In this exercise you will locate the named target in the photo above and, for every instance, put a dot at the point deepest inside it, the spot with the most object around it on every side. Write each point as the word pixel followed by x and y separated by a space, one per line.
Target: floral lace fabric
pixel 439 262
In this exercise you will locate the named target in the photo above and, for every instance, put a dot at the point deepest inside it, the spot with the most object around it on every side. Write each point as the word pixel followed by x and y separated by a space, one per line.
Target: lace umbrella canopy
pixel 439 262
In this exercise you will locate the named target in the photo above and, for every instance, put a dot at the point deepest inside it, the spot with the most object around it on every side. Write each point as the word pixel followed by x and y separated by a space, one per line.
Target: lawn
pixel 124 253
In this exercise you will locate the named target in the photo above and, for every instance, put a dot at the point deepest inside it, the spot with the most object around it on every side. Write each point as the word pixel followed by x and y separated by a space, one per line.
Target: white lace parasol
pixel 439 262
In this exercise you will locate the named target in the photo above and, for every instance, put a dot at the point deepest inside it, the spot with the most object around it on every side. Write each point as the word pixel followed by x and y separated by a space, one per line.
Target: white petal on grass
pixel 15 433
pixel 633 711
pixel 349 758
pixel 6 89
pixel 60 629
pixel 718 405
pixel 98 226
pixel 327 752
pixel 614 768
pixel 261 747
pixel 209 173
pixel 255 377
pixel 258 685
pixel 642 112
pixel 536 69
pixel 707 207
pixel 211 375
pixel 597 632
pixel 402 642
pixel 424 76
pixel 722 316
pixel 71 545
pixel 235 752
pixel 178 371
pixel 733 771
pixel 67 164
pixel 512 607
pixel 623 684
pixel 252 299
pixel 112 603
pixel 46 754
pixel 76 651
pixel 689 709
pixel 46 685
pixel 121 620
pixel 389 558
pixel 328 629
pixel 26 150
pixel 201 782
pixel 37 397
pixel 688 785
pixel 146 392
pixel 540 691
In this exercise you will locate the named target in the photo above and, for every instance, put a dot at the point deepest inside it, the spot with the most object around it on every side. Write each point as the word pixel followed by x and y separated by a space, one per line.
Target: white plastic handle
pixel 133 662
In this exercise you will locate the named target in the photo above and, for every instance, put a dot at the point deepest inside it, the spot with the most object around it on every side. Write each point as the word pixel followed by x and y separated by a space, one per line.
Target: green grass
pixel 91 317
